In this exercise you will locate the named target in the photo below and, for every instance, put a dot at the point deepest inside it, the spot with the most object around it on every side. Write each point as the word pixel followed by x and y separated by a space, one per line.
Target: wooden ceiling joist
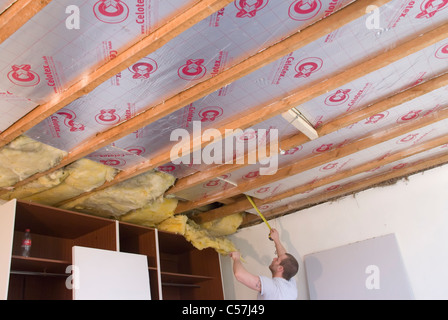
pixel 233 195
pixel 318 160
pixel 340 122
pixel 155 40
pixel 154 113
pixel 246 119
pixel 17 15
pixel 349 189
pixel 243 204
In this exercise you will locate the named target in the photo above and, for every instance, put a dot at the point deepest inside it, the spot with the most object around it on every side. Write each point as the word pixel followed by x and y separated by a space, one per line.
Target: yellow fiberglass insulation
pixel 41 184
pixel 200 238
pixel 153 213
pixel 125 196
pixel 223 226
pixel 81 176
pixel 23 157
pixel 175 224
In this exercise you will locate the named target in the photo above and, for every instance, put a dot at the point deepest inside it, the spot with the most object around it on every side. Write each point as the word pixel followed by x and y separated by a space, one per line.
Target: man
pixel 282 285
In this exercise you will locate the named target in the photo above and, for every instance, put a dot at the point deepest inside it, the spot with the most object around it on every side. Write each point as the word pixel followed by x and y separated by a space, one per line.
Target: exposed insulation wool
pixel 201 239
pixel 7 177
pixel 125 196
pixel 224 226
pixel 175 224
pixel 41 184
pixel 81 176
pixel 152 214
pixel 24 157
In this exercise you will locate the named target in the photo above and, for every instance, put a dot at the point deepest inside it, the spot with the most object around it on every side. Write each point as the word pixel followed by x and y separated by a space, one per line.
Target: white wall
pixel 415 210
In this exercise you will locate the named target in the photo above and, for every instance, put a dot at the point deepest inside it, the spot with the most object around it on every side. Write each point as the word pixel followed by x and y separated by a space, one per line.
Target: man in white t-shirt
pixel 282 285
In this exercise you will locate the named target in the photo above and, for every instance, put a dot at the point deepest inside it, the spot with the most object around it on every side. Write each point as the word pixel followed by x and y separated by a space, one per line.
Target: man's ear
pixel 280 268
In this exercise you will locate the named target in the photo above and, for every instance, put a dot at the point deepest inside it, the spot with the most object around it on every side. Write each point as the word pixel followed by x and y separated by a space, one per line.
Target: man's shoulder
pixel 278 288
pixel 279 281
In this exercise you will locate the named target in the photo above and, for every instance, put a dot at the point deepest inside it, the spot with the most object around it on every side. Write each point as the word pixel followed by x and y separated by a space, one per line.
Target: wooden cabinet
pixel 176 269
pixel 142 240
pixel 188 273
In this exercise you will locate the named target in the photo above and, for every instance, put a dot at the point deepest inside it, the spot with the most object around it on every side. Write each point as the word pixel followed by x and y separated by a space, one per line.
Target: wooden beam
pixel 99 74
pixel 247 119
pixel 243 204
pixel 17 15
pixel 264 57
pixel 153 113
pixel 338 123
pixel 351 188
pixel 313 161
pixel 308 93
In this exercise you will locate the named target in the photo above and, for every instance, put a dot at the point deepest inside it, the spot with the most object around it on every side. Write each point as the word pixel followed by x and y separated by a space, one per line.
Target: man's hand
pixel 242 275
pixel 235 255
pixel 274 235
pixel 278 245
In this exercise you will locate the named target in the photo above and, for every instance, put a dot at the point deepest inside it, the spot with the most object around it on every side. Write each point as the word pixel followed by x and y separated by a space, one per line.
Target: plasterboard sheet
pixel 371 269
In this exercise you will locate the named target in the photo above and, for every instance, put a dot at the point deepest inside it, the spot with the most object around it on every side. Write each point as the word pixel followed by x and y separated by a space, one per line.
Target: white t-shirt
pixel 277 289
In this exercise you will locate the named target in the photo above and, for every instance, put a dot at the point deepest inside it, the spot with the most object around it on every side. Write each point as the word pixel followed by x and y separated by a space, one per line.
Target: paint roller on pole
pixel 259 213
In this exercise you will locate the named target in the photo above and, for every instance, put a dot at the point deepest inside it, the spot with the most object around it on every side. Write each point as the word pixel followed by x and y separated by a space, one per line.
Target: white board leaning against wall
pixel 372 269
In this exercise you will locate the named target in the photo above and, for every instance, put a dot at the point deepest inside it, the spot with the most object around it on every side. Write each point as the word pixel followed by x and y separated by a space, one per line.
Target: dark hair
pixel 290 266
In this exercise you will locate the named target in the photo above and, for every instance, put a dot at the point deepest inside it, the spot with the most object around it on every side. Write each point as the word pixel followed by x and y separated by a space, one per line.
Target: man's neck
pixel 277 275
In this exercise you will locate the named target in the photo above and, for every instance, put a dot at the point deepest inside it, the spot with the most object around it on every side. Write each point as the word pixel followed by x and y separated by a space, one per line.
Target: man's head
pixel 285 266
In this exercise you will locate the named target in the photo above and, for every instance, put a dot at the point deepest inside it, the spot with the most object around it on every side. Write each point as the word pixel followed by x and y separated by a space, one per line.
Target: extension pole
pixel 259 213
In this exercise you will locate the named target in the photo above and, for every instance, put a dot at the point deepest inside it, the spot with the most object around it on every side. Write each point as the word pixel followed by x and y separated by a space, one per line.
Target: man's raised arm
pixel 278 245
